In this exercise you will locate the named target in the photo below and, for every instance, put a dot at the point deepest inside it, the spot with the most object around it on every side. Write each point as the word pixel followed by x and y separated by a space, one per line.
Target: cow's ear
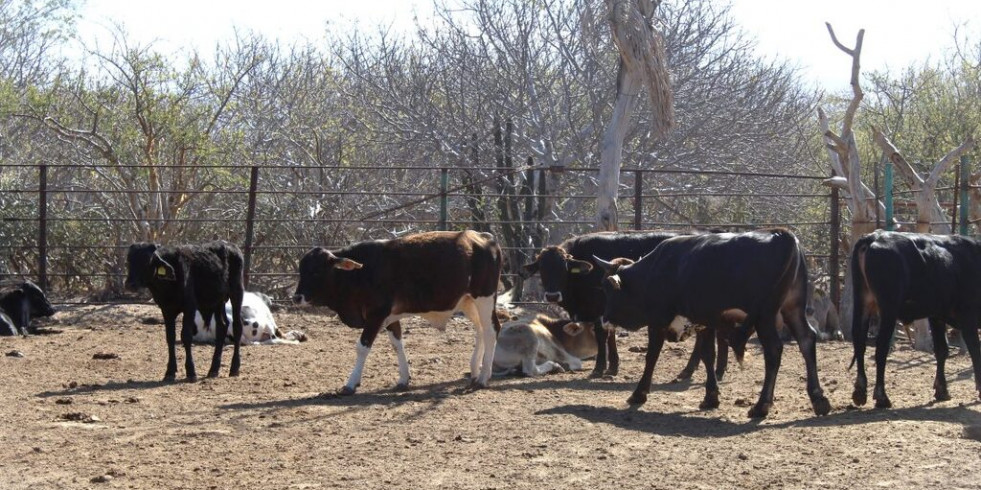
pixel 573 328
pixel 579 266
pixel 346 264
pixel 162 269
pixel 529 270
pixel 614 282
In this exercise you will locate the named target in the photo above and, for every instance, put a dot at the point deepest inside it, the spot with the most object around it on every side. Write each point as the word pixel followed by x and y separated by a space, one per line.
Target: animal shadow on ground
pixel 687 424
pixel 110 386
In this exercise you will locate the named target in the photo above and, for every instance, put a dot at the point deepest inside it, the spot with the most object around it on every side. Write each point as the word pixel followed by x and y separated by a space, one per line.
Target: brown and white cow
pixel 543 345
pixel 372 285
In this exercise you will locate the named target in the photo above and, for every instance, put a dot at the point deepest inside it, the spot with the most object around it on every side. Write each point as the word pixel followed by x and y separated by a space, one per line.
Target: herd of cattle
pixel 728 284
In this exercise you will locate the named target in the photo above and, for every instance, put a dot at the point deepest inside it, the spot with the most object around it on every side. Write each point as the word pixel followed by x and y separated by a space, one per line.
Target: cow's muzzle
pixel 553 297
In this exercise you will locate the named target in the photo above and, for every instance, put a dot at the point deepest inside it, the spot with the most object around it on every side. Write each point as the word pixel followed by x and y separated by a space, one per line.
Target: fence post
pixel 250 223
pixel 965 195
pixel 444 182
pixel 42 235
pixel 887 194
pixel 638 199
pixel 833 266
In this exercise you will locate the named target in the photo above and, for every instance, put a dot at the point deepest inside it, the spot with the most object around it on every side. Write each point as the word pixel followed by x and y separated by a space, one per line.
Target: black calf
pixel 188 278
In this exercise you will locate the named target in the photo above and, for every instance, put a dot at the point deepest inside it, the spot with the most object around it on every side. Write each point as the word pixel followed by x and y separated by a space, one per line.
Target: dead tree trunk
pixel 642 63
pixel 843 155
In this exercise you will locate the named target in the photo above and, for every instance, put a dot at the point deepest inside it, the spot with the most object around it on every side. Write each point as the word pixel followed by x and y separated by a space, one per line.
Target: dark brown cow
pixel 701 277
pixel 908 276
pixel 372 285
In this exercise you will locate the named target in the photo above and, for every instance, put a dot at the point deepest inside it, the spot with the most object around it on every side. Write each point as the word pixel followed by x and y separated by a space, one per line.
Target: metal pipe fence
pixel 68 231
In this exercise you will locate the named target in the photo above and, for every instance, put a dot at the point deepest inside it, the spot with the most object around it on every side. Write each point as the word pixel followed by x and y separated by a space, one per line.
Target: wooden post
pixel 42 234
pixel 833 266
pixel 887 194
pixel 250 224
pixel 444 182
pixel 638 199
pixel 965 196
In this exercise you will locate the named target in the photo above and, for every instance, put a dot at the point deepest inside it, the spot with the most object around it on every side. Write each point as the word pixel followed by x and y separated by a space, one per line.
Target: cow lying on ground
pixel 543 345
pixel 908 276
pixel 372 285
pixel 570 280
pixel 822 314
pixel 258 324
pixel 19 303
pixel 700 277
pixel 184 280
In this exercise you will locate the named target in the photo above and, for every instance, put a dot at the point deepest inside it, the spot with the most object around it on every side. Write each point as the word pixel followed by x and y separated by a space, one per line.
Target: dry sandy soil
pixel 72 420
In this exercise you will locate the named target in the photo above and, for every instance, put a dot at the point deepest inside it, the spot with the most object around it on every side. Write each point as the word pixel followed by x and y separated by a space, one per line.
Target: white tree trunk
pixel 611 149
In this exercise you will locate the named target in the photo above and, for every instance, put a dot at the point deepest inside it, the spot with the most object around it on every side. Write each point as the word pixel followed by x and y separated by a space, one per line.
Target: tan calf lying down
pixel 543 345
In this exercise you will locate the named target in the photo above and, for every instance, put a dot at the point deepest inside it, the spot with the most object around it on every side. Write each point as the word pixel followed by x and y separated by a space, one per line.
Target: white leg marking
pixel 403 360
pixel 355 379
pixel 485 311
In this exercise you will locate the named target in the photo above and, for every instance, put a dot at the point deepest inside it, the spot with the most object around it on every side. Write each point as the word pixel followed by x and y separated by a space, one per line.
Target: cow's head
pixel 556 267
pixel 624 303
pixel 321 273
pixel 36 301
pixel 138 264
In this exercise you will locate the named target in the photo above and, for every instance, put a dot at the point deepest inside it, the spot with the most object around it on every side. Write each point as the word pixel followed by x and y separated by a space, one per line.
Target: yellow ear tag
pixel 161 271
pixel 575 270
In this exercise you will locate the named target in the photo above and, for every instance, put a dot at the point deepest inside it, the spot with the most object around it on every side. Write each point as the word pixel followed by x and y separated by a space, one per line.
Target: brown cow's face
pixel 321 277
pixel 557 267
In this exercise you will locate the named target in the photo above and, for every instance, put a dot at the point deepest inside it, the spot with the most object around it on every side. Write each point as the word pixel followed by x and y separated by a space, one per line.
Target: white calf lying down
pixel 259 326
pixel 543 345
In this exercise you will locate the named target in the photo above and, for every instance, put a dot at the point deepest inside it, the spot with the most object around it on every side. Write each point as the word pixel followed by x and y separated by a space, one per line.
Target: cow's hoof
pixel 719 376
pixel 859 397
pixel 596 373
pixel 402 387
pixel 169 378
pixel 941 395
pixel 821 406
pixel 683 376
pixel 613 371
pixel 213 374
pixel 192 378
pixel 476 385
pixel 345 391
pixel 637 399
pixel 710 402
pixel 759 411
pixel 883 402
pixel 233 373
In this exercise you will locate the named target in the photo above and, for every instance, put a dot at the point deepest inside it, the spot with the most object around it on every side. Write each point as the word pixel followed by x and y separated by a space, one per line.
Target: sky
pixel 898 33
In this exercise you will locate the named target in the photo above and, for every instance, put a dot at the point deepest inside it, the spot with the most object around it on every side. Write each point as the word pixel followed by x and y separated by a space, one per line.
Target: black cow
pixel 570 280
pixel 908 276
pixel 372 285
pixel 187 279
pixel 19 304
pixel 703 278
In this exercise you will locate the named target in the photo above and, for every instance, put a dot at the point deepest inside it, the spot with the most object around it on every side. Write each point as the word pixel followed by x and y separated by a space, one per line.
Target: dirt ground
pixel 84 408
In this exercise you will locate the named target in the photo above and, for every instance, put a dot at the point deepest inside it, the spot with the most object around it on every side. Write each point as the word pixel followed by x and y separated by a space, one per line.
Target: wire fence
pixel 67 227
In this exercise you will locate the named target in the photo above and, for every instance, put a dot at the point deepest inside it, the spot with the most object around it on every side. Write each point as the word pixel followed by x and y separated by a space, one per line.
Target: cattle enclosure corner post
pixel 638 199
pixel 965 171
pixel 444 182
pixel 42 236
pixel 250 225
pixel 887 194
pixel 834 262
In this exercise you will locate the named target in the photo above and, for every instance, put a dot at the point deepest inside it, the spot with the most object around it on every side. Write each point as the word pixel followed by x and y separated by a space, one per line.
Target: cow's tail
pixel 860 286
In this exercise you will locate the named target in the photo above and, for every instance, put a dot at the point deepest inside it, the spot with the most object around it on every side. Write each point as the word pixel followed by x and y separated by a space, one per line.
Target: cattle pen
pixel 87 406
